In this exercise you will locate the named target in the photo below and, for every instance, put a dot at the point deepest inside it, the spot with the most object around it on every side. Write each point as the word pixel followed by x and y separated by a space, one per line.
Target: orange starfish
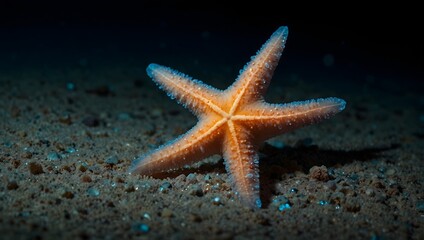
pixel 233 122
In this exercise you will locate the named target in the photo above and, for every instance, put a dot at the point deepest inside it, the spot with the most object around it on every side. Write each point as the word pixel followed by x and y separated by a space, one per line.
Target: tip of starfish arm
pixel 340 102
pixel 337 104
pixel 151 69
pixel 334 105
pixel 283 30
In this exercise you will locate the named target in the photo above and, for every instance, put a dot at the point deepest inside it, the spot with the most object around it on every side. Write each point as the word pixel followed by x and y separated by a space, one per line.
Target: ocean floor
pixel 70 129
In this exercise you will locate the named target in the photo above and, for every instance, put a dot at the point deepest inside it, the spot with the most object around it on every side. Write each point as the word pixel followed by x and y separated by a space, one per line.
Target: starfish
pixel 233 122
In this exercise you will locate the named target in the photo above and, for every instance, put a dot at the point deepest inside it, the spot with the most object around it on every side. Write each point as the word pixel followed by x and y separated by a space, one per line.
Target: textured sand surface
pixel 69 132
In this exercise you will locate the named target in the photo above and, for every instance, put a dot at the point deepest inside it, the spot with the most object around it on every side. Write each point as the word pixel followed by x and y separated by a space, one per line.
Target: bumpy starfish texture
pixel 233 122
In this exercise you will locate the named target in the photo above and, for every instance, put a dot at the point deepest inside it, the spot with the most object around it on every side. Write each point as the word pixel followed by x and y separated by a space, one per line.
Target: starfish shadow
pixel 278 162
pixel 281 161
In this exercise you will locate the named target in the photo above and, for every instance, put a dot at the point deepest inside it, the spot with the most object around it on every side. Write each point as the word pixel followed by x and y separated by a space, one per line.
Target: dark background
pixel 385 39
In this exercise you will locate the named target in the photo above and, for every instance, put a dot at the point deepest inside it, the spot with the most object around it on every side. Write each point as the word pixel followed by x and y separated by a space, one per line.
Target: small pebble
pixel 95 169
pixel 82 168
pixel 112 160
pixel 319 173
pixel 86 178
pixel 370 192
pixel 68 195
pixel 284 207
pixel 167 213
pixel 191 178
pixel 216 201
pixel 35 168
pixel 141 227
pixel 146 216
pixel 53 156
pixel 164 188
pixel 322 202
pixel 94 192
pixel 70 150
pixel 12 185
pixel 294 190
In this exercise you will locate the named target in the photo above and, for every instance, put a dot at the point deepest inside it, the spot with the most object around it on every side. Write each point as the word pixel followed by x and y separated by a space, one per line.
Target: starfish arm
pixel 269 120
pixel 192 94
pixel 242 163
pixel 200 142
pixel 255 77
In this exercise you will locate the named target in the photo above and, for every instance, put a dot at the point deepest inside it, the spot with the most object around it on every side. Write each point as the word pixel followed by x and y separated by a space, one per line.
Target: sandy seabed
pixel 68 136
